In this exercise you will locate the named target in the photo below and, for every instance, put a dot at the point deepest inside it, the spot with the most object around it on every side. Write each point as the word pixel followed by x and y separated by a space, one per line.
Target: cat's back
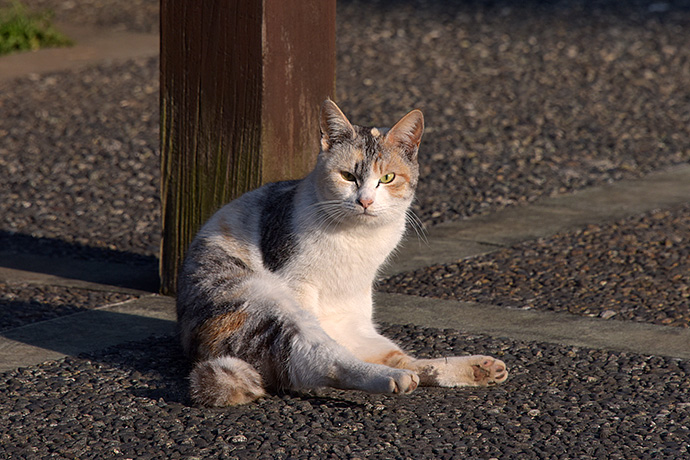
pixel 233 248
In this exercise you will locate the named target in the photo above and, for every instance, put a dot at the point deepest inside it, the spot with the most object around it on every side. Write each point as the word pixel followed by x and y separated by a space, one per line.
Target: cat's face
pixel 367 175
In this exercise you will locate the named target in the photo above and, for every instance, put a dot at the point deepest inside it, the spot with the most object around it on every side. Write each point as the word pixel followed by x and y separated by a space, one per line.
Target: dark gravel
pixel 560 402
pixel 24 304
pixel 634 269
pixel 521 102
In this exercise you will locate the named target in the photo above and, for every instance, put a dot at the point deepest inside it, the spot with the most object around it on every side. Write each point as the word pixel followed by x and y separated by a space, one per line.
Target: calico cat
pixel 276 289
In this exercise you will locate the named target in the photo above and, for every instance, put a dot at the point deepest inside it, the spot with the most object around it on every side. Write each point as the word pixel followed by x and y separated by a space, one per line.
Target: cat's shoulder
pixel 265 194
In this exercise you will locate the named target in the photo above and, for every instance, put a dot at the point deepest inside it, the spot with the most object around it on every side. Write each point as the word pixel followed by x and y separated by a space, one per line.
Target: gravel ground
pixel 560 402
pixel 24 304
pixel 520 102
pixel 634 269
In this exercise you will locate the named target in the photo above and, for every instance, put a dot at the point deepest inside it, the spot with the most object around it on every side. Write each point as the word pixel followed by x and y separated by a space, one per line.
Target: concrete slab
pixel 138 319
pixel 539 326
pixel 86 331
pixel 414 254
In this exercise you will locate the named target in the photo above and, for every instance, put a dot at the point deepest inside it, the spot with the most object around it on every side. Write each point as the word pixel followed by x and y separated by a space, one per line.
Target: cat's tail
pixel 224 381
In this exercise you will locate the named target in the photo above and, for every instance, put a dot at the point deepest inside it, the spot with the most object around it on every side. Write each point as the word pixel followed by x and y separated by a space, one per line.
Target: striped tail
pixel 224 381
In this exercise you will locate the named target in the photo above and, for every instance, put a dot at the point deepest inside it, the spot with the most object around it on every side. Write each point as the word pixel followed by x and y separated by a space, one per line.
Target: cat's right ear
pixel 335 127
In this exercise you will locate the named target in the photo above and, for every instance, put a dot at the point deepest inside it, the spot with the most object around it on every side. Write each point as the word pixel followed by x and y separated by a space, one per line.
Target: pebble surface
pixel 80 158
pixel 521 101
pixel 560 402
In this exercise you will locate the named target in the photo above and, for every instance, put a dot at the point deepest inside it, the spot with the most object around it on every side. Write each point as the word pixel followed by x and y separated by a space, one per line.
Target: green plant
pixel 22 30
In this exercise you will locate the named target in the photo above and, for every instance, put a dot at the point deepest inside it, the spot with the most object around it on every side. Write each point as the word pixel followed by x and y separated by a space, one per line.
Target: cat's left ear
pixel 407 134
pixel 335 127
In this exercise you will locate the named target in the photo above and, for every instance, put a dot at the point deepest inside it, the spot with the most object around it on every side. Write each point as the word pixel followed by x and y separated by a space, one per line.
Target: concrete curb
pixel 535 326
pixel 153 314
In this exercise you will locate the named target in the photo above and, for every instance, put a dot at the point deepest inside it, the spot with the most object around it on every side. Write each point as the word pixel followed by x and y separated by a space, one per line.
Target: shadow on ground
pixel 56 257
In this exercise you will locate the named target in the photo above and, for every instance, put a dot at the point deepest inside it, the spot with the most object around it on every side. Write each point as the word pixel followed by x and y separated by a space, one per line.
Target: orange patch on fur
pixel 393 358
pixel 400 187
pixel 210 334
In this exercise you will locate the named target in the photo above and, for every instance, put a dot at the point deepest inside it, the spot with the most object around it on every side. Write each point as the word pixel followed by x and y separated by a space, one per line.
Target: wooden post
pixel 241 86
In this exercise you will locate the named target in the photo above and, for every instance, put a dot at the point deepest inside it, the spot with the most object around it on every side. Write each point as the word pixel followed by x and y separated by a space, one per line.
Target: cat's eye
pixel 348 176
pixel 387 179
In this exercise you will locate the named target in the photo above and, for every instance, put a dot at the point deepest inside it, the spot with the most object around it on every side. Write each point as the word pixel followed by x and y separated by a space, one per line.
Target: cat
pixel 275 292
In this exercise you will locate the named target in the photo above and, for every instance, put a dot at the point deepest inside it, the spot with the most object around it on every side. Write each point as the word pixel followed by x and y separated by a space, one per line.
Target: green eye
pixel 388 178
pixel 348 176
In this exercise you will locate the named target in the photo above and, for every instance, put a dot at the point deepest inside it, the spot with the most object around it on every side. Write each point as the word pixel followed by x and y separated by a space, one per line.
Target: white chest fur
pixel 334 272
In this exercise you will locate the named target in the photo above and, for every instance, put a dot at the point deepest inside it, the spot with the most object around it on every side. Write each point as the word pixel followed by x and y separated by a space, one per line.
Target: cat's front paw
pixel 488 370
pixel 404 382
pixel 399 381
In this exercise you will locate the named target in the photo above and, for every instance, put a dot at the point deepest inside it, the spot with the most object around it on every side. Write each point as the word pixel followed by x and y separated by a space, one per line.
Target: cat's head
pixel 367 174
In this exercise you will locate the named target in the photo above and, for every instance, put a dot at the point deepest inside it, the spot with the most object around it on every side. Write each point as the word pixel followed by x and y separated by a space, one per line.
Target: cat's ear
pixel 407 134
pixel 335 126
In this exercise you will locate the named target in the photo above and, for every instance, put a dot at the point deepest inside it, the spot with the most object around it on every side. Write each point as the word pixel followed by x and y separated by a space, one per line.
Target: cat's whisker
pixel 320 204
pixel 336 219
pixel 418 226
pixel 327 216
pixel 322 212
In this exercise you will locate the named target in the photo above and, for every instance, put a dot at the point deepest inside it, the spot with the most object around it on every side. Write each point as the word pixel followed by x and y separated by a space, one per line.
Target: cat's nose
pixel 365 202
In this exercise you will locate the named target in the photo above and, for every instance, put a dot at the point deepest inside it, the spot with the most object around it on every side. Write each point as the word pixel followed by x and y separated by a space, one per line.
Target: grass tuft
pixel 22 30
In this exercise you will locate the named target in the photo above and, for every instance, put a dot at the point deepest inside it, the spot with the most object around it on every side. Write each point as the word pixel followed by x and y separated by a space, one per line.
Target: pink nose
pixel 365 202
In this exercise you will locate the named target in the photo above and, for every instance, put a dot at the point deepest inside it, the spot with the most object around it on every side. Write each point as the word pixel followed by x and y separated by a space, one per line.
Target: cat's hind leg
pixel 316 360
pixel 269 342
pixel 456 371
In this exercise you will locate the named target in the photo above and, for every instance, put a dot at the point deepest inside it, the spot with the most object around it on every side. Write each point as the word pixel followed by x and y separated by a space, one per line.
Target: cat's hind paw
pixel 488 370
pixel 459 371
